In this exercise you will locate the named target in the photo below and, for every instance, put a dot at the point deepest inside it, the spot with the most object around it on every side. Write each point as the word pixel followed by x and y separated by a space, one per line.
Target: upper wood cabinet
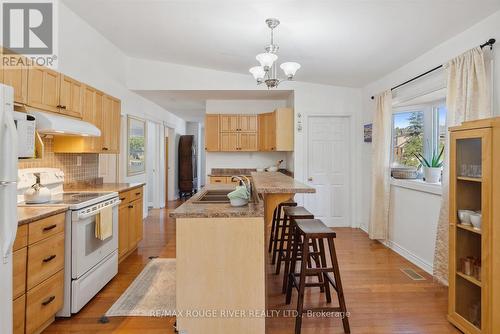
pixel 247 123
pixel 55 92
pixel 110 125
pixel 212 133
pixel 229 141
pixel 104 112
pixel 71 97
pixel 276 130
pixel 44 89
pixel 267 132
pixel 229 123
pixel 18 79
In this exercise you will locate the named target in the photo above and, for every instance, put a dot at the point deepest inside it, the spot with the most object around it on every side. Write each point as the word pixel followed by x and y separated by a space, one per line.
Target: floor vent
pixel 413 274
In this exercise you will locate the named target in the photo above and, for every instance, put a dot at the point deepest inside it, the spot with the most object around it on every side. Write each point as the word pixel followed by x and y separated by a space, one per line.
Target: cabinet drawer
pixel 19 272
pixel 124 197
pixel 43 302
pixel 45 258
pixel 217 179
pixel 45 228
pixel 21 237
pixel 136 194
pixel 18 309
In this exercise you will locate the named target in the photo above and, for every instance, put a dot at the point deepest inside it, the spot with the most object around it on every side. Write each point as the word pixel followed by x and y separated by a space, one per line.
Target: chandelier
pixel 267 71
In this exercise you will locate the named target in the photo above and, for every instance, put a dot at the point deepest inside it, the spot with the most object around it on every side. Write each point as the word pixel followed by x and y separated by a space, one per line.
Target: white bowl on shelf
pixel 476 220
pixel 464 217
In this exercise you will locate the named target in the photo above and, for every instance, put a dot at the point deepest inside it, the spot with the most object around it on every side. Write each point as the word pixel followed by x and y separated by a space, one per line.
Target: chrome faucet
pixel 247 184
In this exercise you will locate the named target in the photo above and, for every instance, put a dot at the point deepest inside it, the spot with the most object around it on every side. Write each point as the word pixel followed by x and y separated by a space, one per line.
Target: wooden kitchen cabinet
pixel 276 130
pixel 18 79
pixel 248 123
pixel 212 133
pixel 110 125
pixel 123 230
pixel 229 123
pixel 248 141
pixel 267 132
pixel 71 97
pixel 38 281
pixel 44 88
pixel 104 112
pixel 229 141
pixel 130 216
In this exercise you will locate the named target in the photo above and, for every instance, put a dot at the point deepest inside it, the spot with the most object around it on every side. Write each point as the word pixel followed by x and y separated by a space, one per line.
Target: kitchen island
pixel 221 257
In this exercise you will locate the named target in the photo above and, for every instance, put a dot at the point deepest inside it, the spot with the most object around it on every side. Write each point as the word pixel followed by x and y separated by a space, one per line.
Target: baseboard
pixel 363 228
pixel 416 260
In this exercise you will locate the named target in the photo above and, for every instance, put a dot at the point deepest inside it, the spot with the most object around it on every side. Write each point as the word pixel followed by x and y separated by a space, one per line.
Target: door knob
pixel 309 179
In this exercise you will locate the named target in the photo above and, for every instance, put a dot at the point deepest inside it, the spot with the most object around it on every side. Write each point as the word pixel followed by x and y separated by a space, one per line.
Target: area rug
pixel 152 294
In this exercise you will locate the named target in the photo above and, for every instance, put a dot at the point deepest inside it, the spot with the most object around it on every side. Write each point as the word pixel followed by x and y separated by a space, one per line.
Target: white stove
pixel 90 263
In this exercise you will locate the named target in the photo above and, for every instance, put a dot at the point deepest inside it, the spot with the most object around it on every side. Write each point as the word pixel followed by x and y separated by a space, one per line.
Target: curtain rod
pixel 489 43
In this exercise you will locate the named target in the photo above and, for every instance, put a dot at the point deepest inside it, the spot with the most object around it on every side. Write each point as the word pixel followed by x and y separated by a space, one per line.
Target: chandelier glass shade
pixel 266 72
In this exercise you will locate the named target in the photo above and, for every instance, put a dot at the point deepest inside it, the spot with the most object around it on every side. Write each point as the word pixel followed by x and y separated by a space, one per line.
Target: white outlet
pixel 79 161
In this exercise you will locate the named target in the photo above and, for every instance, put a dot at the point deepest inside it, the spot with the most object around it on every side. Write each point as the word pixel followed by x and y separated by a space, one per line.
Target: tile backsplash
pixel 68 162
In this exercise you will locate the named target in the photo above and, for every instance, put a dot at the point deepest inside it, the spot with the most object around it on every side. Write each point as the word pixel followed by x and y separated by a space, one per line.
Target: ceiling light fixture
pixel 267 71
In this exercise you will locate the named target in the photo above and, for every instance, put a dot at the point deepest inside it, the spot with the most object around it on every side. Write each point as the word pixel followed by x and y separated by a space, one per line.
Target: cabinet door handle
pixel 59 106
pixel 64 107
pixel 122 199
pixel 48 228
pixel 48 300
pixel 130 206
pixel 49 258
pixel 137 194
pixel 105 148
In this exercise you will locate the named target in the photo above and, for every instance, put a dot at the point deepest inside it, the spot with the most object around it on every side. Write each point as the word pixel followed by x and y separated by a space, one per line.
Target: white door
pixel 328 169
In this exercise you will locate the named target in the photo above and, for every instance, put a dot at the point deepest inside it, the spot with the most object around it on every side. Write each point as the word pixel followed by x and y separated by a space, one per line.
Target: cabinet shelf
pixel 469 228
pixel 470 179
pixel 469 278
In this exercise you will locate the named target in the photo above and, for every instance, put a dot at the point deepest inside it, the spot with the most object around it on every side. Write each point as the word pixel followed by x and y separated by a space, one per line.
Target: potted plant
pixel 432 167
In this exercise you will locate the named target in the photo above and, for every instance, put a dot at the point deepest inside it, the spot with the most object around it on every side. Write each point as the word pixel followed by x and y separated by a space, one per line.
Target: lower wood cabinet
pixel 18 309
pixel 43 302
pixel 130 228
pixel 38 282
pixel 225 180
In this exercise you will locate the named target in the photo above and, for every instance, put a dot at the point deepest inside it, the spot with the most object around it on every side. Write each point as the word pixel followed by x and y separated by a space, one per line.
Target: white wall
pixel 242 159
pixel 408 204
pixel 88 57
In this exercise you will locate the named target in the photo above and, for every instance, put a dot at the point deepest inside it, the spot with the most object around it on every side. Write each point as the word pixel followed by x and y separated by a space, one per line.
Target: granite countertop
pixel 118 187
pixel 190 209
pixel 277 183
pixel 26 215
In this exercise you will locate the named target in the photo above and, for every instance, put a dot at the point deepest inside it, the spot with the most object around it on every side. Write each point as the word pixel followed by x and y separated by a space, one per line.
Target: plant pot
pixel 432 174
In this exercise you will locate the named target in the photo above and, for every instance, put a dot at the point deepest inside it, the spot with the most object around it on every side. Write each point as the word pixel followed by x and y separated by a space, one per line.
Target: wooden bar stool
pixel 290 213
pixel 307 230
pixel 277 225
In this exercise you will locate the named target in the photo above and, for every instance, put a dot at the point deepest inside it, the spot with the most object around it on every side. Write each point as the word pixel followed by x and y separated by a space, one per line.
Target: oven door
pixel 87 250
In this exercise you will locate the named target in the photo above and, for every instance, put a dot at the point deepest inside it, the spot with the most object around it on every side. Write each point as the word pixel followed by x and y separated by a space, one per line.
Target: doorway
pixel 329 169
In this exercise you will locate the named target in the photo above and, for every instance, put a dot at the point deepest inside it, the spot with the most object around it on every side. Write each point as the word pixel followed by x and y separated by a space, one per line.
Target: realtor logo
pixel 28 28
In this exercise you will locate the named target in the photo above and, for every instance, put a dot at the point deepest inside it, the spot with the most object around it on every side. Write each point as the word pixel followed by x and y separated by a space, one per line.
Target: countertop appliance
pixel 8 210
pixel 90 263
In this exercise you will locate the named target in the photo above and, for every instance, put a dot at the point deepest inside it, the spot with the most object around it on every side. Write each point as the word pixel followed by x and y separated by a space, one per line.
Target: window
pixel 417 130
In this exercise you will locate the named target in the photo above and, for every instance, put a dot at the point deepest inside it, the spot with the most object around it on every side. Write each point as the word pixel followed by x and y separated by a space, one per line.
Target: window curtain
pixel 468 98
pixel 381 171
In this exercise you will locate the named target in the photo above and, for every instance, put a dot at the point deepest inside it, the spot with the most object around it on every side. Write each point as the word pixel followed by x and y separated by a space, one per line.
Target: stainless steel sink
pixel 215 196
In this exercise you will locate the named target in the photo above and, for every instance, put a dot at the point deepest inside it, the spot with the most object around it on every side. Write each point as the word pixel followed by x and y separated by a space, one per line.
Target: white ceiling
pixel 349 43
pixel 190 105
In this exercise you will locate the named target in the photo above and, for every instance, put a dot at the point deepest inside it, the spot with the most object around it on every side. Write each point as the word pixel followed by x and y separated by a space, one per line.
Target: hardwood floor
pixel 380 298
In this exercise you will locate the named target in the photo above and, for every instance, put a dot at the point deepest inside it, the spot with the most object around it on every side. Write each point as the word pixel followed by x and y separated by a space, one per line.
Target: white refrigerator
pixel 8 203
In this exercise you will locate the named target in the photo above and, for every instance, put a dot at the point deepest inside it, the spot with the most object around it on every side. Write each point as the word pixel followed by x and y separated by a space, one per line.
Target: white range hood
pixel 47 123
